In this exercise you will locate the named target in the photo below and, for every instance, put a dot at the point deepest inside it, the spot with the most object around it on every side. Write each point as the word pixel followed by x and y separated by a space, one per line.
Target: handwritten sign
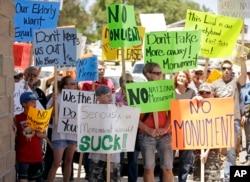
pixel 237 52
pixel 38 120
pixel 173 51
pixel 87 69
pixel 21 53
pixel 106 128
pixel 237 9
pixel 122 28
pixel 151 96
pixel 19 89
pixel 54 47
pixel 31 15
pixel 204 127
pixel 67 120
pixel 219 33
pixel 130 53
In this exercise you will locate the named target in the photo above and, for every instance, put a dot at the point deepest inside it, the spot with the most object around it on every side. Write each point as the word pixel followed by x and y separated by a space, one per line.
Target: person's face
pixel 31 103
pixel 198 75
pixel 226 70
pixel 206 94
pixel 71 84
pixel 182 78
pixel 105 99
pixel 31 77
pixel 101 71
pixel 155 74
pixel 128 80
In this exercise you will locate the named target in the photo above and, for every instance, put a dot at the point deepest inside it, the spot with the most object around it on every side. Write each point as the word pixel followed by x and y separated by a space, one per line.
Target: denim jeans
pixel 186 159
pixel 231 152
pixel 247 133
pixel 132 158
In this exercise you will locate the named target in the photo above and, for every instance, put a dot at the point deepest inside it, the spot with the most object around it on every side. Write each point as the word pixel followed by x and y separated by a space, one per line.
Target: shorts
pixel 97 171
pixel 57 144
pixel 163 145
pixel 30 171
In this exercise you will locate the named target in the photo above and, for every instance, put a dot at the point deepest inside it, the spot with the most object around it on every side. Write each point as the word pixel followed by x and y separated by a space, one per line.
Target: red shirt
pixel 87 85
pixel 162 119
pixel 27 150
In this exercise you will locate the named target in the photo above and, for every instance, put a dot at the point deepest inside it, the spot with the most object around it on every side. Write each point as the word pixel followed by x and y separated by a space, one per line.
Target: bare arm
pixel 243 76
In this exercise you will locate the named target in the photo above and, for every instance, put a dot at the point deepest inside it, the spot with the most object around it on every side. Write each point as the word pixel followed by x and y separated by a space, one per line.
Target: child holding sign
pixel 98 161
pixel 29 155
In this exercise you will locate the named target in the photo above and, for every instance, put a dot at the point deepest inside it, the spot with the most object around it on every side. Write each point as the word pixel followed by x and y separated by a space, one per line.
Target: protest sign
pixel 208 126
pixel 31 15
pixel 106 128
pixel 153 22
pixel 61 2
pixel 173 51
pixel 237 9
pixel 54 47
pixel 21 53
pixel 67 120
pixel 19 89
pixel 237 52
pixel 38 120
pixel 87 69
pixel 151 96
pixel 130 53
pixel 122 28
pixel 219 33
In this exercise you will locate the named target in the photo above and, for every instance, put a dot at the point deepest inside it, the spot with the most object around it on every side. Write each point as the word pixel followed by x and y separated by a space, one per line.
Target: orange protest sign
pixel 207 126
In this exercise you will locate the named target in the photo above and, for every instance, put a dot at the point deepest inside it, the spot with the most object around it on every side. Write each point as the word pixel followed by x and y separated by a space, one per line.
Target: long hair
pixel 187 75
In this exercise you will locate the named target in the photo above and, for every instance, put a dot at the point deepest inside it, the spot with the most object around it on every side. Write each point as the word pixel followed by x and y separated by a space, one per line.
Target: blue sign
pixel 55 47
pixel 32 15
pixel 87 69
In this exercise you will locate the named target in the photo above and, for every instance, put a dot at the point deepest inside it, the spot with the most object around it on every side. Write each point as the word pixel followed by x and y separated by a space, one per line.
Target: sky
pixel 212 4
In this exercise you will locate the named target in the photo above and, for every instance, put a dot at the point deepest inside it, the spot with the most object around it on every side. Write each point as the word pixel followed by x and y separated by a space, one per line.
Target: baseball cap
pixel 102 90
pixel 207 87
pixel 27 96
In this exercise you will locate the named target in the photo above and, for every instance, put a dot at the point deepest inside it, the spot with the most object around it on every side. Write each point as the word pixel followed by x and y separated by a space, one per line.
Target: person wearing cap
pixel 97 166
pixel 62 143
pixel 211 157
pixel 91 86
pixel 29 154
pixel 196 78
pixel 245 120
pixel 228 86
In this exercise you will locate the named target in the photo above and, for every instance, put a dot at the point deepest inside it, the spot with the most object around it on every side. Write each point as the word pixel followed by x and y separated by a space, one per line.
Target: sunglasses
pixel 204 92
pixel 129 81
pixel 226 68
pixel 32 74
pixel 156 72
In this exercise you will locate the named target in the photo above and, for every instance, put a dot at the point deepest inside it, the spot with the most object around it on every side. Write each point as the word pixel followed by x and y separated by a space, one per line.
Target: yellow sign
pixel 113 54
pixel 38 120
pixel 215 74
pixel 219 33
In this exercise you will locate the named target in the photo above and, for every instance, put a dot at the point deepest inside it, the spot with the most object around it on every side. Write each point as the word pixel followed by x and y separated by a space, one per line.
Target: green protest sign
pixel 219 33
pixel 151 96
pixel 173 51
pixel 123 31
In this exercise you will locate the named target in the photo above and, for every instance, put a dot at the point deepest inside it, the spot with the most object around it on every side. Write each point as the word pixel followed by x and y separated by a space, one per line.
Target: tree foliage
pixel 90 23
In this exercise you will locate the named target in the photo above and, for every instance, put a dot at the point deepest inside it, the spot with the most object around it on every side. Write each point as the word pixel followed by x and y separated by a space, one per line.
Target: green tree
pixel 173 10
pixel 74 13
